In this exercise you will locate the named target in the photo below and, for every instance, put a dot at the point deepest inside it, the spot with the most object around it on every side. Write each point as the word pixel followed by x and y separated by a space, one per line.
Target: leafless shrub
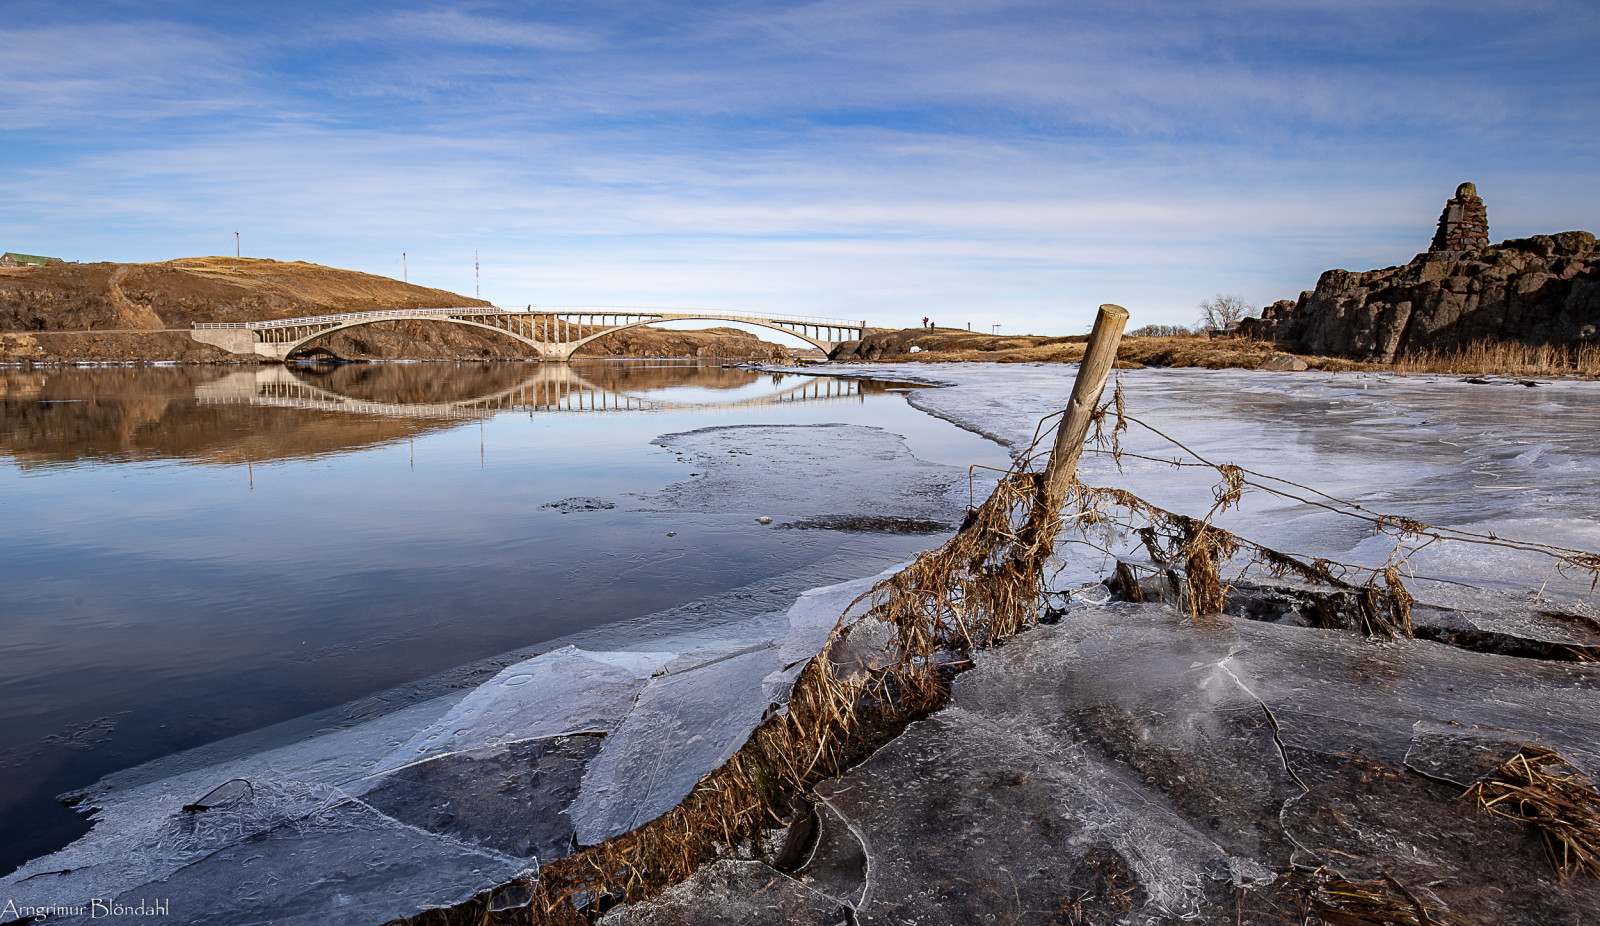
pixel 1219 312
pixel 1164 331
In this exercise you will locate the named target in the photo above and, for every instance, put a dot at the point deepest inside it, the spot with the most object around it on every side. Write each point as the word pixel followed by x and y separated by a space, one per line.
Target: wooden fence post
pixel 1098 356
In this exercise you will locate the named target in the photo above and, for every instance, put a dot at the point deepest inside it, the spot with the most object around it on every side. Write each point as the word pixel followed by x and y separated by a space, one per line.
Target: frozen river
pixel 596 612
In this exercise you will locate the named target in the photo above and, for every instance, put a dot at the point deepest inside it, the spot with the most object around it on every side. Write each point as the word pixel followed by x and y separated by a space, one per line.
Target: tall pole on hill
pixel 235 245
pixel 477 279
pixel 1098 356
pixel 405 270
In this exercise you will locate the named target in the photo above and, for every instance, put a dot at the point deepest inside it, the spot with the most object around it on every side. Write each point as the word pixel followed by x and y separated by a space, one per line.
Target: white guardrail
pixel 710 314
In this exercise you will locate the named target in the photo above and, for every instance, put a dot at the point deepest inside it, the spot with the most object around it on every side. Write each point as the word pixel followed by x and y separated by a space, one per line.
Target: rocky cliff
pixel 1539 290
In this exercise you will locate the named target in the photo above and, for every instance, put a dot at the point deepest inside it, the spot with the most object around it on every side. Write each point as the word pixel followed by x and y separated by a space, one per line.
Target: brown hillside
pixel 177 293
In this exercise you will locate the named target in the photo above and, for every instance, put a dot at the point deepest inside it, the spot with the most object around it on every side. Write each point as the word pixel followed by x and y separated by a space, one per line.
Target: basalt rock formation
pixel 1539 290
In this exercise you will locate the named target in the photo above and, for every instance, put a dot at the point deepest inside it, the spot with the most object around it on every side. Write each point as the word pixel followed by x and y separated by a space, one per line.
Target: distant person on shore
pixel 924 321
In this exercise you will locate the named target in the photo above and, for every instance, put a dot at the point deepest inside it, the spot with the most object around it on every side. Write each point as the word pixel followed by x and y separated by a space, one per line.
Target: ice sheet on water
pixel 1137 766
pixel 557 693
pixel 685 725
pixel 471 775
pixel 815 613
pixel 348 866
pixel 412 763
pixel 789 472
pixel 506 799
pixel 475 785
pixel 1517 463
pixel 691 720
pixel 142 833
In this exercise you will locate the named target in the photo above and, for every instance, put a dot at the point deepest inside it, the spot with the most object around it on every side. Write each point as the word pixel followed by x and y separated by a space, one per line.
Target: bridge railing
pixel 533 310
pixel 353 316
pixel 690 311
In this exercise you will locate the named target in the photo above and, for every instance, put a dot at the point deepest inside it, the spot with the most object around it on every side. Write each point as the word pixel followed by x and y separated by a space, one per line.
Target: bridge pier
pixel 556 353
pixel 232 340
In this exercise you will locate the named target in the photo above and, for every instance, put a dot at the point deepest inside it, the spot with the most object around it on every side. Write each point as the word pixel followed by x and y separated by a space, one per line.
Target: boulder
pixel 1284 363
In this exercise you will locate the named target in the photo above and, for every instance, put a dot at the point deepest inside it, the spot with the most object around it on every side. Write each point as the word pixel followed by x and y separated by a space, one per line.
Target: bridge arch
pixel 823 346
pixel 289 348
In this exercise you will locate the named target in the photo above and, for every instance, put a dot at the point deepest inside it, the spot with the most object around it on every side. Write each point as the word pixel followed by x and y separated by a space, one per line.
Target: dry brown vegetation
pixel 176 293
pixel 1503 358
pixel 1327 898
pixel 939 345
pixel 1539 787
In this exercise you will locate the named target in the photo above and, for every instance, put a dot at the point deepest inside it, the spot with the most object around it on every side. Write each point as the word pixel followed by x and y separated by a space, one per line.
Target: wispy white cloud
pixel 462 27
pixel 115 73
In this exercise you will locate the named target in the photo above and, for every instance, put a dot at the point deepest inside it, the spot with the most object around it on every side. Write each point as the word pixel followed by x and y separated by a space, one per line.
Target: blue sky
pixel 984 162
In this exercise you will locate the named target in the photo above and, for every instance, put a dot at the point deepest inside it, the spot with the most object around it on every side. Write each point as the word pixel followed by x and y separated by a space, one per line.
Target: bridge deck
pixel 556 332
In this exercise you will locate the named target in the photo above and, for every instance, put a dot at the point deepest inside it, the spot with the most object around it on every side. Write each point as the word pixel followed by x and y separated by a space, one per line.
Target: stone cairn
pixel 1464 225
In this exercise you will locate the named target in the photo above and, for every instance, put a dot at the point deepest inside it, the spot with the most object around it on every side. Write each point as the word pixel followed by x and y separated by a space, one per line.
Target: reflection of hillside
pixel 206 414
pixel 110 415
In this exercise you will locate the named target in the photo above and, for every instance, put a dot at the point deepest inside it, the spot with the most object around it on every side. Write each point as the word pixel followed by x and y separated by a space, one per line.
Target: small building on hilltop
pixel 13 259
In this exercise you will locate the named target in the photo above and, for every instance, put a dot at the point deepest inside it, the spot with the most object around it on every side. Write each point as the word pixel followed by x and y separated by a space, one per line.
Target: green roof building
pixel 12 259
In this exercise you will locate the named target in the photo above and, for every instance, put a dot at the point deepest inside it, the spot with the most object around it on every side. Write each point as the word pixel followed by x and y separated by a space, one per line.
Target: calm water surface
pixel 191 553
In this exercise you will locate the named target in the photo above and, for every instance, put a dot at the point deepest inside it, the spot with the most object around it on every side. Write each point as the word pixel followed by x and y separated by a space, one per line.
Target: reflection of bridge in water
pixel 555 333
pixel 547 388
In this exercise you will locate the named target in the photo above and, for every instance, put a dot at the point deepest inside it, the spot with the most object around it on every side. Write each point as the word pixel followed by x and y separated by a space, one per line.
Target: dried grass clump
pixel 1540 787
pixel 1328 897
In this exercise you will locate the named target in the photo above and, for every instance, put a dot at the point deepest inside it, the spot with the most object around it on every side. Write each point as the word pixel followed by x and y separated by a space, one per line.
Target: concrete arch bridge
pixel 552 389
pixel 555 333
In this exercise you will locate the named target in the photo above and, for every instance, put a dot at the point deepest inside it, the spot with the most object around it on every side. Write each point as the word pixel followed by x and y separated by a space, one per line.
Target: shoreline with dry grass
pixel 1486 358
